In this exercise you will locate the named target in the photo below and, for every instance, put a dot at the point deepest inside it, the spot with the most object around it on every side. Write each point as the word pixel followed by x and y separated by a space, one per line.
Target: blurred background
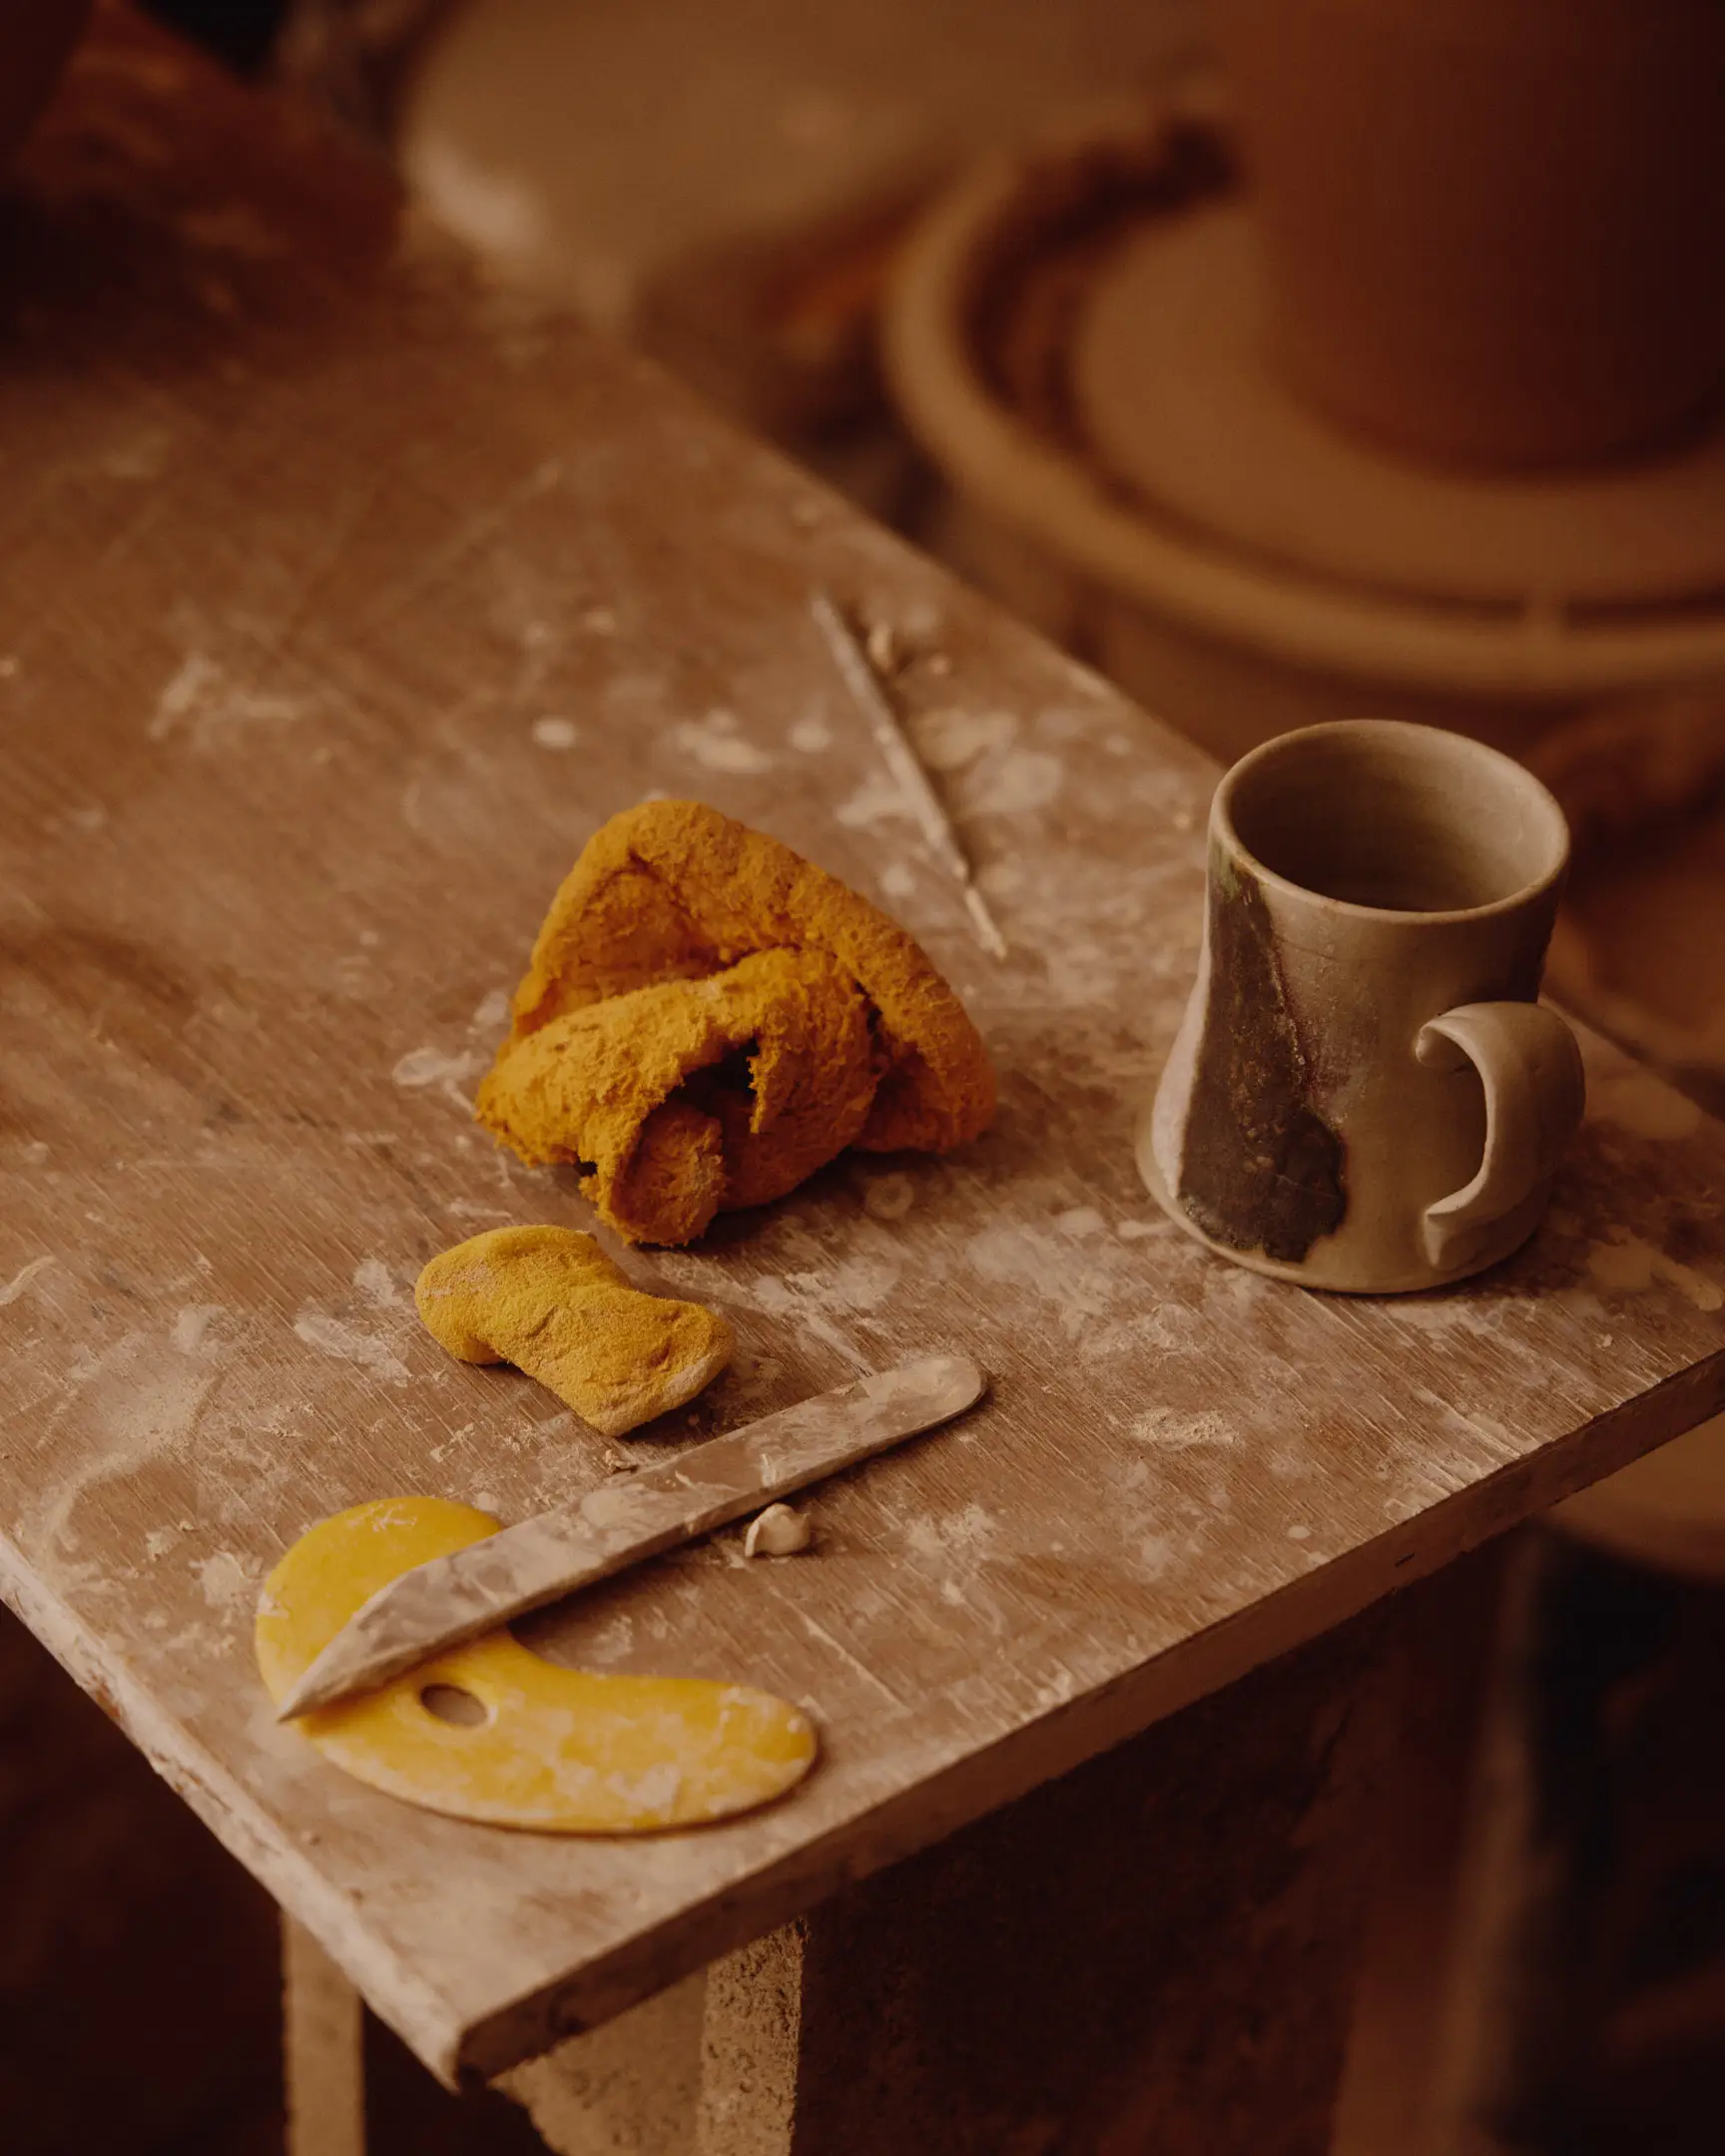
pixel 1285 360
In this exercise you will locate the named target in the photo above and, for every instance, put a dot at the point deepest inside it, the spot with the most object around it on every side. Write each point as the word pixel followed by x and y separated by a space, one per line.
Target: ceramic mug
pixel 1364 1094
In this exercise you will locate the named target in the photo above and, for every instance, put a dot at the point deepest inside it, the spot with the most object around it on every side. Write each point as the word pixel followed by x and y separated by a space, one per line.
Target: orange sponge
pixel 707 1018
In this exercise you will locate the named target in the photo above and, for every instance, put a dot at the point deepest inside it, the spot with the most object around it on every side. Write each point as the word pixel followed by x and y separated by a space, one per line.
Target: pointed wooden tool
pixel 899 753
pixel 451 1599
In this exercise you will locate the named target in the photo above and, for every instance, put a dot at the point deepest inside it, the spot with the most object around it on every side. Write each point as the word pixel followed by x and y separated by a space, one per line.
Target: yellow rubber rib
pixel 559 1750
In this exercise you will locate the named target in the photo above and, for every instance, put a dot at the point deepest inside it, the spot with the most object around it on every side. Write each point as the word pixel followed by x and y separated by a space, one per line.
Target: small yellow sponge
pixel 549 1301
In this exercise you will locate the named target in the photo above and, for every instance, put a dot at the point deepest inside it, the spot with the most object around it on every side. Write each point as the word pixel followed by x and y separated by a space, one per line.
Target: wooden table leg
pixel 322 2029
pixel 630 2088
pixel 1153 1956
pixel 1588 1998
pixel 1447 1631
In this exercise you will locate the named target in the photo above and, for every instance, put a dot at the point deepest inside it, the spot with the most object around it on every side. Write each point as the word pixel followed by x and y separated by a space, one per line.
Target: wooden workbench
pixel 341 599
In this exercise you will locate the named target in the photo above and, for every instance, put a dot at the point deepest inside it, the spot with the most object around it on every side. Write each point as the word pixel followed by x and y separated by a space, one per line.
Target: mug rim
pixel 1465 748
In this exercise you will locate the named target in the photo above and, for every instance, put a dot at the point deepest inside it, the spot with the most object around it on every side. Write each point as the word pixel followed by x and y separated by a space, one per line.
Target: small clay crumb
pixel 885 654
pixel 777 1532
pixel 888 1197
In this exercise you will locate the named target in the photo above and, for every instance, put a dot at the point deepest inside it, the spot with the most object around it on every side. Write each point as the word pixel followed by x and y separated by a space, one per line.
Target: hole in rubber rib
pixel 452 1703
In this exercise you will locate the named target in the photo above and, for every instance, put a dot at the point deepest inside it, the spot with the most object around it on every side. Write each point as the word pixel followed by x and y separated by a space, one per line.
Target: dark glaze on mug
pixel 1261 1169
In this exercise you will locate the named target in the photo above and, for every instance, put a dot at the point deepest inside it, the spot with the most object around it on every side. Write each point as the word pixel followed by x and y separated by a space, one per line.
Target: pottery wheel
pixel 1176 394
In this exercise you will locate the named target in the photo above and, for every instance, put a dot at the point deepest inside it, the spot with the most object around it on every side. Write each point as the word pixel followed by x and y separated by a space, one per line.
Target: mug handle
pixel 1531 1068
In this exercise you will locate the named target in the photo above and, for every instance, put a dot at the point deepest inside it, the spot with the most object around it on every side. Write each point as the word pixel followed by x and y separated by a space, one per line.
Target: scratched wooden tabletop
pixel 341 598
